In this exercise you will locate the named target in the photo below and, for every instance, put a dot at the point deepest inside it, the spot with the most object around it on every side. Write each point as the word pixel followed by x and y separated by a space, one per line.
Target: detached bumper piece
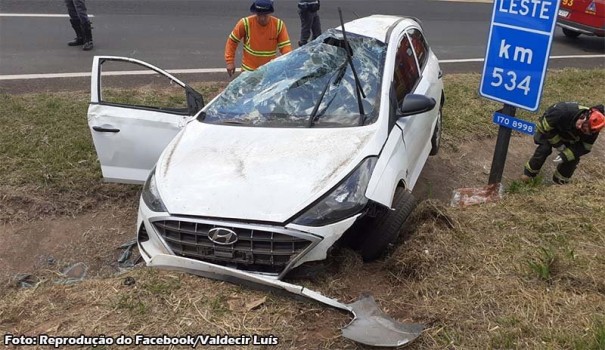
pixel 256 249
pixel 370 325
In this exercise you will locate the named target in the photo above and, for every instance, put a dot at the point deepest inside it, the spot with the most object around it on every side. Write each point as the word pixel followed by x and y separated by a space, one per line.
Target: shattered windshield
pixel 284 92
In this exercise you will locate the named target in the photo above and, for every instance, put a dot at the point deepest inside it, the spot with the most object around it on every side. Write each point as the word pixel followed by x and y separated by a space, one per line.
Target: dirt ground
pixel 41 241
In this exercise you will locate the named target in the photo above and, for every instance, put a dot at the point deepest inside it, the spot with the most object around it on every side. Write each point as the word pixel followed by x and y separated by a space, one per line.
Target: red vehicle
pixel 582 17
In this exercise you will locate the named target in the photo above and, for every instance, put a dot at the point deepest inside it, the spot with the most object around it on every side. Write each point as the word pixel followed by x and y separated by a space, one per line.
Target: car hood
pixel 251 173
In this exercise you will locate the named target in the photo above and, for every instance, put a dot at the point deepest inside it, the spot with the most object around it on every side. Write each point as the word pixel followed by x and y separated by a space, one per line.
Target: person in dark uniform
pixel 78 17
pixel 309 20
pixel 572 130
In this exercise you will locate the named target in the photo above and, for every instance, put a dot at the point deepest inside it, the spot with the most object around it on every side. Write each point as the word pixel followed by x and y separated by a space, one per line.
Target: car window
pixel 157 92
pixel 284 92
pixel 420 46
pixel 406 71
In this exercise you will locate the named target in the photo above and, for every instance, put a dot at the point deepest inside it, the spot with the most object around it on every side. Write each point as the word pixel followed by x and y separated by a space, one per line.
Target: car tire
pixel 436 139
pixel 570 33
pixel 383 230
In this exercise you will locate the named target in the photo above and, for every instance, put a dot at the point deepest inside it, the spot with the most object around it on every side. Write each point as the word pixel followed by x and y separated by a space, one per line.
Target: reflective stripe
pixel 544 125
pixel 283 44
pixel 280 25
pixel 249 49
pixel 258 46
pixel 259 53
pixel 529 169
pixel 247 30
pixel 560 177
pixel 555 139
pixel 569 154
pixel 587 146
pixel 234 38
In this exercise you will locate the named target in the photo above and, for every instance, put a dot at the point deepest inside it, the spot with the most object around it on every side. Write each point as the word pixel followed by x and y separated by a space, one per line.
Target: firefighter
pixel 262 36
pixel 571 129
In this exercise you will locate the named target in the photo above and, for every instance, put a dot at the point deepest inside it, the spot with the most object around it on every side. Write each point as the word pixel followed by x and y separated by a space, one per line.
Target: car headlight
pixel 151 195
pixel 347 199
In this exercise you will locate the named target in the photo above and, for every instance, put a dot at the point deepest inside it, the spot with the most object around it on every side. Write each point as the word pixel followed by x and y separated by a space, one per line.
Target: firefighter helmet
pixel 596 120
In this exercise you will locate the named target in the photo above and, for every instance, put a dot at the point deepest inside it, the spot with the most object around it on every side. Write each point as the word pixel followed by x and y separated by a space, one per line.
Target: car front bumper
pixel 267 251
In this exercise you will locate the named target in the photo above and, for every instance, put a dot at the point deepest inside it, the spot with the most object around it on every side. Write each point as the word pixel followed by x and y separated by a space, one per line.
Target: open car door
pixel 131 124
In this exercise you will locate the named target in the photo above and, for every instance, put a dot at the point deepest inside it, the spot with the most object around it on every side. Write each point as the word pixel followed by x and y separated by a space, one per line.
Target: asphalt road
pixel 181 34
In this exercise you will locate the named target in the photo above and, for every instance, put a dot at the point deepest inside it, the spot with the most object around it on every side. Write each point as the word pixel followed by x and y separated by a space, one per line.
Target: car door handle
pixel 440 75
pixel 102 129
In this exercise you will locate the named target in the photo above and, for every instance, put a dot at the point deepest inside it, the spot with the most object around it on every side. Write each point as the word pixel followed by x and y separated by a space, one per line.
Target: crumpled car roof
pixel 284 92
pixel 375 26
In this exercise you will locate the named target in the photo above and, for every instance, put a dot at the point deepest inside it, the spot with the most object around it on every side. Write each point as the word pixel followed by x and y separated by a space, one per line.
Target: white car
pixel 273 171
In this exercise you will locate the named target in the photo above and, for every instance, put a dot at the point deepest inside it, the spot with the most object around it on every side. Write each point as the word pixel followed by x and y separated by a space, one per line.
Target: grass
pixel 520 274
pixel 527 272
pixel 532 186
pixel 46 151
pixel 45 141
pixel 543 265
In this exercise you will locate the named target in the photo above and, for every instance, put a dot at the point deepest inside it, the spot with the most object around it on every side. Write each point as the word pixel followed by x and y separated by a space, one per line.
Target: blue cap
pixel 262 6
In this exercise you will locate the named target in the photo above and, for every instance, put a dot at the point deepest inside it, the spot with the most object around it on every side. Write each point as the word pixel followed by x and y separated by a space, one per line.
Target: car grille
pixel 255 250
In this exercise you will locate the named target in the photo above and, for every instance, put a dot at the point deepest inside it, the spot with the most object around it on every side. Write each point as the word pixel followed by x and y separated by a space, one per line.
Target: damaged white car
pixel 272 172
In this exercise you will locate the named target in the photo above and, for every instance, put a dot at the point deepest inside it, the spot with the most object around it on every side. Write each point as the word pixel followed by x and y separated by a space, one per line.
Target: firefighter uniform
pixel 557 129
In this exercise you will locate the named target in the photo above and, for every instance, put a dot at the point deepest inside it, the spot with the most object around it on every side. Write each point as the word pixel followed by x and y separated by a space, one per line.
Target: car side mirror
pixel 415 104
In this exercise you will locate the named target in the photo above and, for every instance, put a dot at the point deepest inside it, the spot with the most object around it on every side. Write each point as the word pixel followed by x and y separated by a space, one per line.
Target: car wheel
pixel 436 139
pixel 383 230
pixel 570 33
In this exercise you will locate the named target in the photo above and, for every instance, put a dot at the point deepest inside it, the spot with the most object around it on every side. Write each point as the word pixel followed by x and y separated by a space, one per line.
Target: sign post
pixel 515 63
pixel 495 173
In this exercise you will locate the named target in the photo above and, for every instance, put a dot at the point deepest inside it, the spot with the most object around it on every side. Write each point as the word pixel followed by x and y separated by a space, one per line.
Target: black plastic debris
pixel 23 280
pixel 128 258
